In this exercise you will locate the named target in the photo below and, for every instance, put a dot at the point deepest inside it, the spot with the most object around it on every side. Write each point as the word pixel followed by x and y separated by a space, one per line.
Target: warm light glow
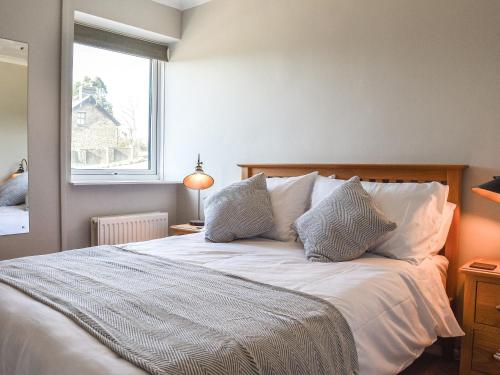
pixel 198 181
pixel 495 197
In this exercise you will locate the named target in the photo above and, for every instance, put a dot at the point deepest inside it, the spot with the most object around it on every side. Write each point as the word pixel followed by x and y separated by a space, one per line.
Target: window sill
pixel 124 182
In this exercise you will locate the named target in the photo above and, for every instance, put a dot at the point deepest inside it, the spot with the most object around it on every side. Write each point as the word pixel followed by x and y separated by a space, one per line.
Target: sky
pixel 126 78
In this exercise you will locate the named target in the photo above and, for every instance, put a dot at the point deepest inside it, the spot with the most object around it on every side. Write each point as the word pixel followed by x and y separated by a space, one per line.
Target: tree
pixel 95 87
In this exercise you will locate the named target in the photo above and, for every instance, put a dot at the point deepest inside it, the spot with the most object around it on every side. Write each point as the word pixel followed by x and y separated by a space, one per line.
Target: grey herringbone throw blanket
pixel 169 317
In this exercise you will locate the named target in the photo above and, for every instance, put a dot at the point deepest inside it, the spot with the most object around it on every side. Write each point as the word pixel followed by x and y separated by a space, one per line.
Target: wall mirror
pixel 14 162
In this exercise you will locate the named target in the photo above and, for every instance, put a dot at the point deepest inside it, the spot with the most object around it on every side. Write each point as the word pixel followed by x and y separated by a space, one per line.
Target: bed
pixel 14 220
pixel 394 309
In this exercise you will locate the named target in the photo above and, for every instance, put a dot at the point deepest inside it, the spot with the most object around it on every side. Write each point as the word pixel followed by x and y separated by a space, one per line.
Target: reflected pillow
pixel 240 210
pixel 342 226
pixel 14 191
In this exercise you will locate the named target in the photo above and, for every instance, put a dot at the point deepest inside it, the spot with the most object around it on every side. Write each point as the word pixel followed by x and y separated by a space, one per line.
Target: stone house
pixel 97 137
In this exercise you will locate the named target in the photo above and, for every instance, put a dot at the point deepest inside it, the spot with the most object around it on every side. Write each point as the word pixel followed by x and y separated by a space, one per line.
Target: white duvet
pixel 394 309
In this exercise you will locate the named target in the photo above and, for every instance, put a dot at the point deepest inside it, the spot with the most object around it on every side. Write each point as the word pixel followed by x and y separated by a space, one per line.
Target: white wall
pixel 386 81
pixel 13 117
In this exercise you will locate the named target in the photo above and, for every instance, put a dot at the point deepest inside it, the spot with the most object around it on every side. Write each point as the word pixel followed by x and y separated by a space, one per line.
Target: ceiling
pixel 182 4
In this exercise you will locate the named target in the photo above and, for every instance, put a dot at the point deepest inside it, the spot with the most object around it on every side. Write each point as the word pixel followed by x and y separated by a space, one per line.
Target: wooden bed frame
pixel 450 175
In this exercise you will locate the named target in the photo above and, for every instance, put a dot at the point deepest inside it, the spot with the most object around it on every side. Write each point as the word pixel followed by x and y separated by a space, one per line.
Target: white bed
pixel 14 220
pixel 395 310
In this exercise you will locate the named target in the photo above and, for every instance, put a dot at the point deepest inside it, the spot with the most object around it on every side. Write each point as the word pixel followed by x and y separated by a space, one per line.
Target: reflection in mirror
pixel 14 208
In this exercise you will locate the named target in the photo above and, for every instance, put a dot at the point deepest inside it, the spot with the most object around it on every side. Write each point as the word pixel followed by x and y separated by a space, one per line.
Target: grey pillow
pixel 240 210
pixel 342 226
pixel 14 191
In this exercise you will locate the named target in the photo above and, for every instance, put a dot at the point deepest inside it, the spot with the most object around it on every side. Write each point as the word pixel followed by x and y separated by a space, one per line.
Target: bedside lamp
pixel 198 180
pixel 489 190
pixel 21 168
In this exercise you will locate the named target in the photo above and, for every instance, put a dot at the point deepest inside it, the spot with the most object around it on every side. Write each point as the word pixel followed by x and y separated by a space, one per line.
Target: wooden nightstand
pixel 181 229
pixel 481 344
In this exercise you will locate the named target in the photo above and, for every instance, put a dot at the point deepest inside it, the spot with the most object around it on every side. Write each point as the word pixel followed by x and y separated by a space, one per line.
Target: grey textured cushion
pixel 342 226
pixel 14 191
pixel 240 210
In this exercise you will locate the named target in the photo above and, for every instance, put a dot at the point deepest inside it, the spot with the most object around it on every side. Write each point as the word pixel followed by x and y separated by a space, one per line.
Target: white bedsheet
pixel 14 220
pixel 394 309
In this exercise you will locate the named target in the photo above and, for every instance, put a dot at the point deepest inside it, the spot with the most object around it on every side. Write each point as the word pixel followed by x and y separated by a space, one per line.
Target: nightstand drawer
pixel 486 345
pixel 488 304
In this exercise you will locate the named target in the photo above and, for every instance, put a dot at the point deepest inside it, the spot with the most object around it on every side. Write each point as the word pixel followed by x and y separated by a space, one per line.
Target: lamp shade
pixel 489 190
pixel 198 180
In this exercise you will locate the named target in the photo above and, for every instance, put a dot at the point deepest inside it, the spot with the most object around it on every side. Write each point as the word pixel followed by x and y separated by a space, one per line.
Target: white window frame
pixel 156 119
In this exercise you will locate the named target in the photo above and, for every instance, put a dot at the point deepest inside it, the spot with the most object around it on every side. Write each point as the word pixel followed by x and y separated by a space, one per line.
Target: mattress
pixel 394 309
pixel 14 220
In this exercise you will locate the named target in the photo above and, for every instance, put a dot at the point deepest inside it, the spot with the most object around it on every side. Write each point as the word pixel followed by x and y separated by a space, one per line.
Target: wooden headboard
pixel 450 175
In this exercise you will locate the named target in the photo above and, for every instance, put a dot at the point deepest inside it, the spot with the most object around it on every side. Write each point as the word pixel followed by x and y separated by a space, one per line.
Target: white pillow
pixel 416 208
pixel 323 186
pixel 442 235
pixel 290 198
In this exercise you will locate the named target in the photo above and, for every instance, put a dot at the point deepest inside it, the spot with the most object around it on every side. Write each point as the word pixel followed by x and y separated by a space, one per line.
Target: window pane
pixel 111 110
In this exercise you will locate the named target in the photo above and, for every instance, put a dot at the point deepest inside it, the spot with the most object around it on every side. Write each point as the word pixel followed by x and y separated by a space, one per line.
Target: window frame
pixel 156 118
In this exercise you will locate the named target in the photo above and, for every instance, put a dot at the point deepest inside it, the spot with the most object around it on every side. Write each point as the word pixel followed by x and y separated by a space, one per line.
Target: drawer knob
pixel 496 356
pixel 497 307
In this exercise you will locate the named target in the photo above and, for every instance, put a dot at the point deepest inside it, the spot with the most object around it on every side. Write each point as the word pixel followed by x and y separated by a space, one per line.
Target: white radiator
pixel 113 230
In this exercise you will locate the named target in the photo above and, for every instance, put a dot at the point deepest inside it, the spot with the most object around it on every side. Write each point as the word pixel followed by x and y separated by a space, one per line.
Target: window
pixel 80 118
pixel 115 127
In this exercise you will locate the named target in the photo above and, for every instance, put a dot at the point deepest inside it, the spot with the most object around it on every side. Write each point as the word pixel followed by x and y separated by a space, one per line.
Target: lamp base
pixel 197 223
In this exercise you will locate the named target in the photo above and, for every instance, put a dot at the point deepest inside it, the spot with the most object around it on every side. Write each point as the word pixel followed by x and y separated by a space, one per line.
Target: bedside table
pixel 181 229
pixel 481 344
